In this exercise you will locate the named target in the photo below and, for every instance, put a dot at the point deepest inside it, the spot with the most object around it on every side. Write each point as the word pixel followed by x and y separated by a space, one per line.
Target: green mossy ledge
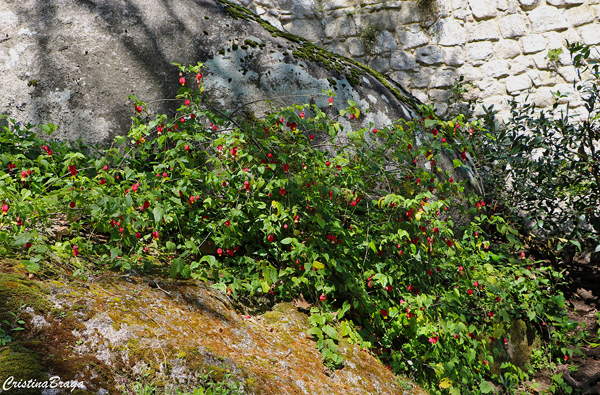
pixel 351 69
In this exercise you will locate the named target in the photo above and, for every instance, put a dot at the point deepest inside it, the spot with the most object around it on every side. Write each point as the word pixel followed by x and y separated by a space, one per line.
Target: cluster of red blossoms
pixel 73 170
pixel 48 150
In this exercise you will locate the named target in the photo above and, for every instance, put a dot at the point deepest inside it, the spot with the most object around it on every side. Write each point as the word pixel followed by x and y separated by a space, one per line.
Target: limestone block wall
pixel 502 48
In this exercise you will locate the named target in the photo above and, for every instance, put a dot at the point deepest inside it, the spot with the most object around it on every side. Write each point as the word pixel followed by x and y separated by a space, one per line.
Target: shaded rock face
pixel 103 332
pixel 75 62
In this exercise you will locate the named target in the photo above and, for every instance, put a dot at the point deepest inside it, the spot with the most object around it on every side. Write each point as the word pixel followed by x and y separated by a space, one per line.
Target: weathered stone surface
pixel 65 46
pixel 340 27
pixel 512 26
pixel 487 30
pixel 564 2
pixel 516 84
pixel 541 78
pixel 381 20
pixel 478 52
pixel 542 97
pixel 443 79
pixel 533 43
pixel 113 328
pixel 356 46
pixel 491 87
pixel 541 61
pixel 520 64
pixel 454 56
pixel 578 16
pixel 496 69
pixel 307 28
pixel 568 73
pixel 401 60
pixel 385 42
pixel 430 55
pixel 590 34
pixel 507 49
pixel 412 37
pixel 547 18
pixel 470 73
pixel 380 64
pixel 528 4
pixel 483 9
pixel 450 32
pixel 410 13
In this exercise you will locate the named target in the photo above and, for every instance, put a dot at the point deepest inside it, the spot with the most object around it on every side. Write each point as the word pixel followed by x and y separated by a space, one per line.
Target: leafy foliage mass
pixel 361 223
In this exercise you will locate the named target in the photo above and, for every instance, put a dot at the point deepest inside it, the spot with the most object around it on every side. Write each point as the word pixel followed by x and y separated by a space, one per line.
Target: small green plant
pixel 14 324
pixel 368 36
pixel 553 57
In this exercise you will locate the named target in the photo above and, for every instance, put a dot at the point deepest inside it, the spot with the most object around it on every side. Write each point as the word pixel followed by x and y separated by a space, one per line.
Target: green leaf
pixel 114 252
pixel 343 310
pixel 317 332
pixel 171 246
pixel 485 387
pixel 158 214
pixel 330 331
pixel 287 240
pixel 22 239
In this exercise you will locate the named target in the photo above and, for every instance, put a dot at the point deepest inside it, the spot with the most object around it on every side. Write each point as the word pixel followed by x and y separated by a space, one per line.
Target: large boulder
pixel 74 63
pixel 108 333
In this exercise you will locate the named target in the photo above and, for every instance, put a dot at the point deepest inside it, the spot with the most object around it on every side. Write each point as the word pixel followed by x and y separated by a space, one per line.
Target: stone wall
pixel 502 48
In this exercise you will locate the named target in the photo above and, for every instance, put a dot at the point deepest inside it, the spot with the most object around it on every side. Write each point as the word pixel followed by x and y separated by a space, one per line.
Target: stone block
pixel 401 60
pixel 382 20
pixel 542 78
pixel 542 97
pixel 520 64
pixel 430 55
pixel 512 26
pixel 483 9
pixel 470 73
pixel 307 28
pixel 568 73
pixel 545 18
pixel 564 3
pixel 422 96
pixel 454 56
pixel 459 4
pixel 578 16
pixel 571 35
pixel 355 46
pixel 507 49
pixel 380 64
pixel 491 87
pixel 412 37
pixel 541 61
pixel 450 32
pixel 533 43
pixel 340 27
pixel 478 52
pixel 528 4
pixel 496 69
pixel 443 79
pixel 483 31
pixel 567 93
pixel 385 42
pixel 421 78
pixel 590 34
pixel 410 13
pixel 517 83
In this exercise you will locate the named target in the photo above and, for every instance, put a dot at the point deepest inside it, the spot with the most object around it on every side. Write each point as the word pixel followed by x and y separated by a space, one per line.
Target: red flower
pixel 4 207
pixel 138 108
pixel 146 205
pixel 73 170
pixel 220 251
pixel 286 167
pixel 433 339
pixel 11 166
pixel 375 131
pixel 187 102
pixel 322 297
pixel 72 204
pixel 135 187
pixel 186 147
pixel 227 223
pixel 28 245
pixel 331 101
pixel 311 137
pixel 271 237
pixel 198 77
pixel 302 115
pixel 233 151
pixel 282 191
pixel 155 234
pixel 102 181
pixel 75 250
pixel 327 163
pixel 353 203
pixel 182 80
pixel 470 292
pixel 384 313
pixel 192 198
pixel 138 235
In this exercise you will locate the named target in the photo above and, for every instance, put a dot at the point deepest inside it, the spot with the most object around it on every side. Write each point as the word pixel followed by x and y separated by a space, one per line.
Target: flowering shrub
pixel 257 206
